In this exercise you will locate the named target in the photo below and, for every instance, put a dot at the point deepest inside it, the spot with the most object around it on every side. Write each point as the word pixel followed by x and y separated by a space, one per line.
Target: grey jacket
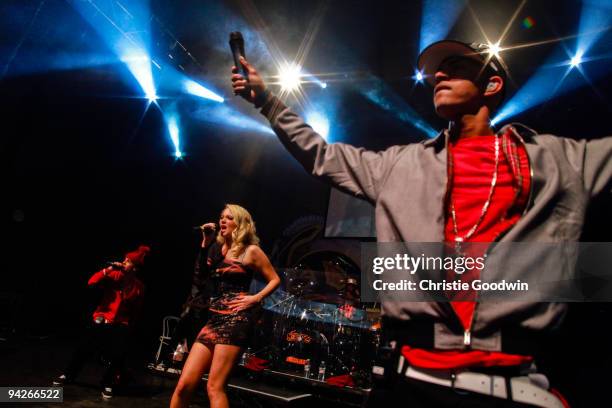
pixel 407 184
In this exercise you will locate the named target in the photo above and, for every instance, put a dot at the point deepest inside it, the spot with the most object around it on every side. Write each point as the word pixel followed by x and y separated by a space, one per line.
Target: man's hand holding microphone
pixel 246 81
pixel 253 88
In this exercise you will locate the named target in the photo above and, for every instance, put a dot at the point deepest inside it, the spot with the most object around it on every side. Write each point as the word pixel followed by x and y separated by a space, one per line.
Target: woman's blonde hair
pixel 245 233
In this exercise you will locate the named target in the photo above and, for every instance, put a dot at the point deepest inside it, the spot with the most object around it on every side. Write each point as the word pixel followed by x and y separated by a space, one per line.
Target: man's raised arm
pixel 355 170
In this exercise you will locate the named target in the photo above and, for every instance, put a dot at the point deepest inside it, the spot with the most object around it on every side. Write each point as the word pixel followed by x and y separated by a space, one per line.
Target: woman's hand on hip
pixel 242 302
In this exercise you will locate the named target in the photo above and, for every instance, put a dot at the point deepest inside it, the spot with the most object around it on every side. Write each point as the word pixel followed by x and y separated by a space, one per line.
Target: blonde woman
pixel 233 258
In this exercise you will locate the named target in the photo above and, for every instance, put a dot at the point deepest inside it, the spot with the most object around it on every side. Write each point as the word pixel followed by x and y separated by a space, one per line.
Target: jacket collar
pixel 525 132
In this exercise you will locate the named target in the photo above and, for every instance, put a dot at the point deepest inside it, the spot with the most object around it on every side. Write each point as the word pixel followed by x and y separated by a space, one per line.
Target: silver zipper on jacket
pixel 446 132
pixel 467 335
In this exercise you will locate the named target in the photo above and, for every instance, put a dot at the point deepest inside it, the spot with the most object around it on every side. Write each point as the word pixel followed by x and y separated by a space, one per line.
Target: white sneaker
pixel 107 393
pixel 61 380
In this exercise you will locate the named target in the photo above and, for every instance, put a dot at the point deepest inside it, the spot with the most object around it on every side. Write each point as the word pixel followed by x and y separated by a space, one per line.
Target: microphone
pixel 117 265
pixel 236 42
pixel 207 229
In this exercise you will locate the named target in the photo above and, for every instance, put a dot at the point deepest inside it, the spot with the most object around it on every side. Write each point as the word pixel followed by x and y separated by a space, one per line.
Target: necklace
pixel 459 239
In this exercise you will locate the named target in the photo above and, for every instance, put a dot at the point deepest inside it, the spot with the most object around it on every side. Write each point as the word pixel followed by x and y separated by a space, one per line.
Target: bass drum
pixel 303 340
pixel 297 333
pixel 333 287
pixel 304 346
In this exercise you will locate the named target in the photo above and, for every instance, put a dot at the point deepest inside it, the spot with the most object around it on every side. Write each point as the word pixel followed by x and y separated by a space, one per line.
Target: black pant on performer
pixel 111 340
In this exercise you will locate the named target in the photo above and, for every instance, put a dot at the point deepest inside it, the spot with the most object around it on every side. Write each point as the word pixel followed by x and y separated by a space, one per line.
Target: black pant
pixel 111 340
pixel 419 394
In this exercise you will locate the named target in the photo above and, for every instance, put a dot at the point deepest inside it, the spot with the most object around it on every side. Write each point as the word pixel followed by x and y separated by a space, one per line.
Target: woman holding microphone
pixel 233 257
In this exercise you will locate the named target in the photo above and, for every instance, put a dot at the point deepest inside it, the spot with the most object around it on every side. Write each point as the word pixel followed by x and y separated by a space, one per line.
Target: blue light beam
pixel 437 19
pixel 194 88
pixel 595 18
pixel 126 33
pixel 556 76
pixel 173 129
pixel 47 37
pixel 226 116
pixel 319 122
pixel 386 99
pixel 140 66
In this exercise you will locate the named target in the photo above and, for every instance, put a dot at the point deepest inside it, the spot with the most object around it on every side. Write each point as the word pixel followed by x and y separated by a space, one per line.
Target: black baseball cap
pixel 433 55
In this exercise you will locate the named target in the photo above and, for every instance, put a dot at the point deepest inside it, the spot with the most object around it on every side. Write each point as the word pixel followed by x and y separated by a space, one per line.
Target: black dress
pixel 229 278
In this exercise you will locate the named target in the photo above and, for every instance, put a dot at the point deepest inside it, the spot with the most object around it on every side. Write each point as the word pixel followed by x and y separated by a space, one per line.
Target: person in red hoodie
pixel 121 301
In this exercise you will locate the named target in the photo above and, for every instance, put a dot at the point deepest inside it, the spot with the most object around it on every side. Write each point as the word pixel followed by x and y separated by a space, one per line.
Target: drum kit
pixel 320 326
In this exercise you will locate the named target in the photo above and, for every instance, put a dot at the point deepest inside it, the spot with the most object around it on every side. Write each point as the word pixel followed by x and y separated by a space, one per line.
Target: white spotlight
pixel 494 49
pixel 290 77
pixel 152 97
pixel 418 76
pixel 576 60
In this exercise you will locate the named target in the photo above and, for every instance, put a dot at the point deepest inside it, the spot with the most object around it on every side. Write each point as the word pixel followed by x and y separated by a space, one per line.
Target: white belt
pixel 522 388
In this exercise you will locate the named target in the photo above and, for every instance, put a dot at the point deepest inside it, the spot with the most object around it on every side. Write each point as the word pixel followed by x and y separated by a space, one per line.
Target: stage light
pixel 553 78
pixel 550 80
pixel 418 77
pixel 140 67
pixel 292 78
pixel 127 34
pixel 173 129
pixel 193 88
pixel 494 49
pixel 289 77
pixel 576 60
pixel 319 123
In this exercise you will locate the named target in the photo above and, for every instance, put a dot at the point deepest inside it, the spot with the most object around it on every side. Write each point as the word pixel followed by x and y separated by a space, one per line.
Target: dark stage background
pixel 88 172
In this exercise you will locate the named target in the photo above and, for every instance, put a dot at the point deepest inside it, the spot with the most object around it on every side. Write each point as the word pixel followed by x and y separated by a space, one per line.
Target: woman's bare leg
pixel 198 362
pixel 223 361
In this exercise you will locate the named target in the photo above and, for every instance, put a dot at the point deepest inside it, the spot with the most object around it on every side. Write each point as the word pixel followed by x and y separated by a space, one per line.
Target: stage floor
pixel 36 360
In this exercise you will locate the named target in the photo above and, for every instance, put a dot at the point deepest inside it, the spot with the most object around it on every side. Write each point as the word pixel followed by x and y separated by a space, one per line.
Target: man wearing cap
pixel 469 184
pixel 110 330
